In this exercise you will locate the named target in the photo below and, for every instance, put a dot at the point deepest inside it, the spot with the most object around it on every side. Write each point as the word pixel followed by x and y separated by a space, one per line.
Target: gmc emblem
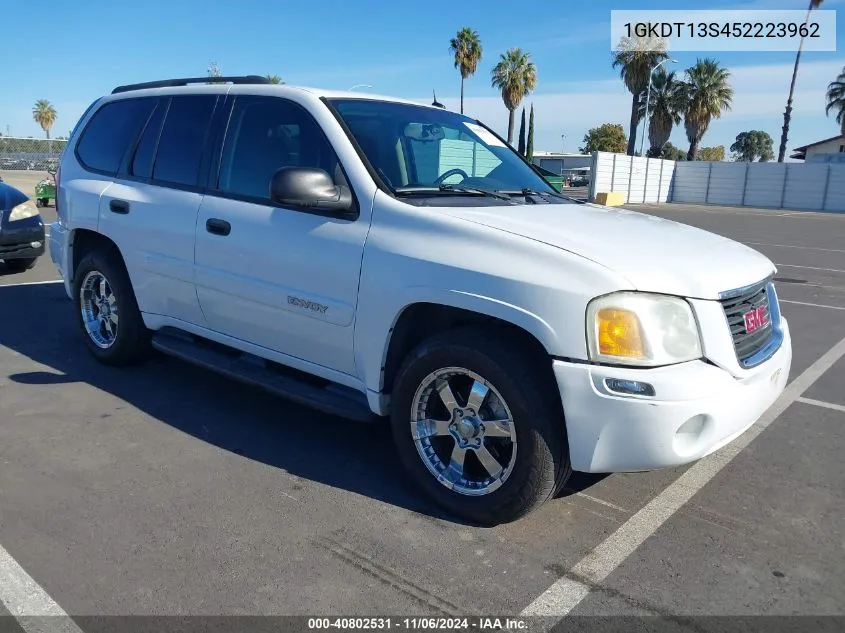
pixel 755 319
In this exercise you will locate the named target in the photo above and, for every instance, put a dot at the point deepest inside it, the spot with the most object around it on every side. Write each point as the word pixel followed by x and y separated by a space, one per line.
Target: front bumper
pixel 22 239
pixel 697 409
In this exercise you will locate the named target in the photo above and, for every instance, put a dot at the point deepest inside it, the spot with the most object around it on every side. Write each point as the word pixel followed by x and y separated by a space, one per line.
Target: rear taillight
pixel 56 179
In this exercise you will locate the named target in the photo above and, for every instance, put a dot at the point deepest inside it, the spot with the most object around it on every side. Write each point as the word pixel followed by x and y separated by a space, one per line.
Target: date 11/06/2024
pixel 418 623
pixel 722 29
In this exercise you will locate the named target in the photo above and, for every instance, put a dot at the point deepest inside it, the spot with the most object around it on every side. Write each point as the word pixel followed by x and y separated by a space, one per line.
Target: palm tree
pixel 836 99
pixel 275 79
pixel 787 114
pixel 516 76
pixel 635 57
pixel 44 114
pixel 466 47
pixel 668 102
pixel 708 94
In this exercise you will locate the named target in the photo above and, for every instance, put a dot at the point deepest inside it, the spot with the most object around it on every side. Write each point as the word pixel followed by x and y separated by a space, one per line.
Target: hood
pixel 653 254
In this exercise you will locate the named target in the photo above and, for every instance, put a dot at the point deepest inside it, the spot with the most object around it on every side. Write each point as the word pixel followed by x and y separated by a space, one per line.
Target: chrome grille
pixel 736 305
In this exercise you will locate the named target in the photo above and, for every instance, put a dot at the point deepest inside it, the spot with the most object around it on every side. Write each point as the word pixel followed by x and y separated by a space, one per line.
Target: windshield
pixel 418 150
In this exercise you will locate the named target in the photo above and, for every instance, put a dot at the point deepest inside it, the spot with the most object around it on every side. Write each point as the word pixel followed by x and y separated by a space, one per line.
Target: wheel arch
pixel 420 319
pixel 82 242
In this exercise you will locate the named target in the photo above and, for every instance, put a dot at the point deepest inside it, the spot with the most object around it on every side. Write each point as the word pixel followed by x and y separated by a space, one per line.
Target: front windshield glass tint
pixel 415 147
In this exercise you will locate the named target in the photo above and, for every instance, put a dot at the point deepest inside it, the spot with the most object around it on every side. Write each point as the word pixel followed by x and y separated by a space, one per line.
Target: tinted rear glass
pixel 111 132
pixel 180 146
pixel 142 163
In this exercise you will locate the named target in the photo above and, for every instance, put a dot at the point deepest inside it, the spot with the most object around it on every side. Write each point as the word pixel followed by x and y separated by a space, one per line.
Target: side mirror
pixel 309 188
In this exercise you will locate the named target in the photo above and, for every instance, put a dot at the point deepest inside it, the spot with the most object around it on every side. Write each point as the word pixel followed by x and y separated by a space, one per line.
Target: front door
pixel 277 277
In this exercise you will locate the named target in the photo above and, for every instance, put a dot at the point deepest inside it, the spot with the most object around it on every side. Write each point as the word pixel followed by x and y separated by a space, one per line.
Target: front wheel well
pixel 421 320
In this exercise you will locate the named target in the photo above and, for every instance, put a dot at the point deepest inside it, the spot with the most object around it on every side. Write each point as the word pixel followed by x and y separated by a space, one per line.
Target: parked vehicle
pixel 45 190
pixel 21 230
pixel 374 258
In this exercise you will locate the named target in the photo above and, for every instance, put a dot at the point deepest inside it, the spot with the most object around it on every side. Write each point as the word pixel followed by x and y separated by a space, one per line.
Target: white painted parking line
pixel 32 283
pixel 29 604
pixel 601 502
pixel 830 270
pixel 567 592
pixel 822 403
pixel 809 248
pixel 814 305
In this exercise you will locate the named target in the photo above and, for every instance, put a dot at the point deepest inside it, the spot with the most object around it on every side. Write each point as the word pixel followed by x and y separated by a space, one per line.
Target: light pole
pixel 648 99
pixel 562 152
pixel 360 86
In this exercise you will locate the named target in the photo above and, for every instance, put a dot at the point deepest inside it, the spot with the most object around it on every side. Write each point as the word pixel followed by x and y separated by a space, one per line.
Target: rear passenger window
pixel 142 163
pixel 111 132
pixel 182 139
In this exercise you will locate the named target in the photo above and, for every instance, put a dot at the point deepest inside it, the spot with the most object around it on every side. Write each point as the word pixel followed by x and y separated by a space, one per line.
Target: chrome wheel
pixel 463 431
pixel 99 309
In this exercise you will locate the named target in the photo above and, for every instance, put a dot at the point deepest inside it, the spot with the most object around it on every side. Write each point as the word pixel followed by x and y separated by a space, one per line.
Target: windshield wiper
pixel 449 190
pixel 526 192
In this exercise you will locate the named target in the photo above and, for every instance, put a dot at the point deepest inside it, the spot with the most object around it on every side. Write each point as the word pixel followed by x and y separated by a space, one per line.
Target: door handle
pixel 217 226
pixel 119 206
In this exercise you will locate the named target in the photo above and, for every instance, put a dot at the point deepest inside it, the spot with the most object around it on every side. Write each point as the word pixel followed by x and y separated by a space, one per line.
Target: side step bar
pixel 291 384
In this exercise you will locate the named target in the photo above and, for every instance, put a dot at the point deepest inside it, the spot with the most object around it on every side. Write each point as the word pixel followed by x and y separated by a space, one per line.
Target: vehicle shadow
pixel 234 417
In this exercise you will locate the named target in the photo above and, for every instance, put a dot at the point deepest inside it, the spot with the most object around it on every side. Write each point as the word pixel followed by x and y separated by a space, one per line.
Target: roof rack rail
pixel 170 83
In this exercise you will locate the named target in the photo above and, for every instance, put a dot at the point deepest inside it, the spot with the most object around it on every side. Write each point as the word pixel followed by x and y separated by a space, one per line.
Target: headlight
pixel 22 211
pixel 635 328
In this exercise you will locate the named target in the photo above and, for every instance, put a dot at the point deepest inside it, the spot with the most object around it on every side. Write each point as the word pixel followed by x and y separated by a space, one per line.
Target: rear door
pixel 151 210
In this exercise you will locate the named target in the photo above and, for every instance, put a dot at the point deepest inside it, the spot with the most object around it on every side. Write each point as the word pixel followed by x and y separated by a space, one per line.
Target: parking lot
pixel 168 490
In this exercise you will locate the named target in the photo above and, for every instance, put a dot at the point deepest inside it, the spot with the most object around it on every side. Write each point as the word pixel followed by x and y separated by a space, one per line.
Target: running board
pixel 286 382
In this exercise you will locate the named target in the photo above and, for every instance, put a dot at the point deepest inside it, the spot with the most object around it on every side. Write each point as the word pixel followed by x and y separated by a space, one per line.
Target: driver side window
pixel 266 134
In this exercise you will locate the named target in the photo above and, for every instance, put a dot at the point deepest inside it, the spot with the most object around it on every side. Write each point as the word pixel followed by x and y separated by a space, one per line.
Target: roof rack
pixel 170 83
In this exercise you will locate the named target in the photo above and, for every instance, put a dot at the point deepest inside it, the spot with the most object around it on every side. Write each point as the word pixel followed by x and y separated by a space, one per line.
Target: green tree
pixel 466 47
pixel 530 148
pixel 836 99
pixel 274 79
pixel 44 114
pixel 787 114
pixel 667 104
pixel 635 57
pixel 670 152
pixel 608 137
pixel 751 146
pixel 712 153
pixel 708 94
pixel 521 144
pixel 516 76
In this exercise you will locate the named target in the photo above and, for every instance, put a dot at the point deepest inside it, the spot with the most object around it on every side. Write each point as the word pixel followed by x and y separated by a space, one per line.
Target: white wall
pixel 816 187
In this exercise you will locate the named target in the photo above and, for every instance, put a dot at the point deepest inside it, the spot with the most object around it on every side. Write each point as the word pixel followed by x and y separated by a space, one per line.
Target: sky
pixel 398 47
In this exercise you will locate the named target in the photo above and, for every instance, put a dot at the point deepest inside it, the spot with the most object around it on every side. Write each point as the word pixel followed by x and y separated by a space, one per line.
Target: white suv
pixel 374 257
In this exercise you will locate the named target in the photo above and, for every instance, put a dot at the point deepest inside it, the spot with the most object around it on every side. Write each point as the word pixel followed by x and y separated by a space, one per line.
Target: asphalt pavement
pixel 168 490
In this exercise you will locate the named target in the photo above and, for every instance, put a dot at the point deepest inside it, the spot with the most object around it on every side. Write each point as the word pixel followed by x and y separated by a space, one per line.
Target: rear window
pixel 111 132
pixel 182 139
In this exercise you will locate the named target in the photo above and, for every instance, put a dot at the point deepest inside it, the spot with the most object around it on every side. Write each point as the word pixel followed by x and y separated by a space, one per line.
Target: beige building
pixel 830 150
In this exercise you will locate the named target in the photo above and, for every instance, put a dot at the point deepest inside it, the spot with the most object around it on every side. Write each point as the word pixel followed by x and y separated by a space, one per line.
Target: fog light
pixel 35 244
pixel 630 387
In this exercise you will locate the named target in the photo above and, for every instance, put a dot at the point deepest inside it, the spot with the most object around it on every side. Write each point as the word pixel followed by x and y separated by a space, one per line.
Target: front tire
pixel 479 426
pixel 107 311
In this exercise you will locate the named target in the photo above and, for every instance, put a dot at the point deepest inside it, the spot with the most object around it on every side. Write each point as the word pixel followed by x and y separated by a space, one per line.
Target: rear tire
pixel 107 311
pixel 527 441
pixel 20 265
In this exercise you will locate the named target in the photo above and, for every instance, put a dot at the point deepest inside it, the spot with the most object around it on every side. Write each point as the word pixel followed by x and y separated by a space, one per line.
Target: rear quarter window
pixel 111 132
